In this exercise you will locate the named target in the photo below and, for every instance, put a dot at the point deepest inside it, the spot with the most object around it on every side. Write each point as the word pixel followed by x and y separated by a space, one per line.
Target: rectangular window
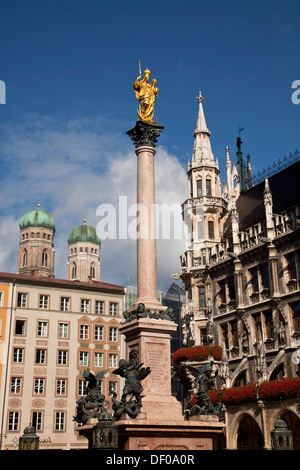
pixel 83 358
pixel 42 328
pixel 61 387
pixel 18 355
pixel 296 317
pixel 113 361
pixel 39 386
pixel 234 334
pixel 113 309
pixel 291 267
pixel 44 301
pixel 81 387
pixel 211 233
pixel 222 292
pixel 22 300
pixel 254 280
pixel 265 276
pixel 231 288
pixel 98 359
pixel 200 230
pixel 99 307
pixel 269 324
pixel 99 333
pixel 203 337
pixel 202 299
pixel 40 356
pixel 85 306
pixel 65 304
pixel 113 334
pixel 63 330
pixel 113 386
pixel 16 385
pixel 59 421
pixel 199 187
pixel 13 421
pixel 37 420
pixel 84 332
pixel 1 298
pixel 62 357
pixel 208 187
pixel 20 327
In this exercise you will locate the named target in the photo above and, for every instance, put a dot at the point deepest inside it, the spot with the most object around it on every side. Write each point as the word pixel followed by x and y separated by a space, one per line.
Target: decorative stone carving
pixel 204 381
pixel 91 405
pixel 142 312
pixel 133 372
pixel 145 134
pixel 38 403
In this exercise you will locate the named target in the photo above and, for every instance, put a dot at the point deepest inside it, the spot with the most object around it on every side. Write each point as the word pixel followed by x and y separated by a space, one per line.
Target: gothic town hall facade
pixel 241 266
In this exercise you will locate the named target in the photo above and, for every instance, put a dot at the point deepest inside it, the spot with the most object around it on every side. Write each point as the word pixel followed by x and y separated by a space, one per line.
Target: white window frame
pixel 99 307
pixel 83 358
pixel 63 330
pixel 13 421
pixel 99 333
pixel 42 328
pixel 60 420
pixel 113 360
pixel 113 334
pixel 98 359
pixel 44 301
pixel 113 309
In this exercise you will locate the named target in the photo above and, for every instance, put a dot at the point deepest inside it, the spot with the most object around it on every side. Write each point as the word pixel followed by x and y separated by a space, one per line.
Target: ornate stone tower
pixel 83 257
pixel 36 252
pixel 203 213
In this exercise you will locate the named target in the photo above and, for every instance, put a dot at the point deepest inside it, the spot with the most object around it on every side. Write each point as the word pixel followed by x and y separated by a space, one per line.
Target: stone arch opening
pixel 293 424
pixel 249 435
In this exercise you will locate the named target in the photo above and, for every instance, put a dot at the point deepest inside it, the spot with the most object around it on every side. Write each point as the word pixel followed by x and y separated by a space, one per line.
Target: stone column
pixel 145 136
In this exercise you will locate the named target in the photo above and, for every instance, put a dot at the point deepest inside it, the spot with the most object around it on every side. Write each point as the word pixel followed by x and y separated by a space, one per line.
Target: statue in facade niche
pixel 146 94
pixel 90 405
pixel 133 372
pixel 282 334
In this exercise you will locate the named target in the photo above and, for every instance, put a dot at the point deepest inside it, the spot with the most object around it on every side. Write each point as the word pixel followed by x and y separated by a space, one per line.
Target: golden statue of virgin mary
pixel 146 94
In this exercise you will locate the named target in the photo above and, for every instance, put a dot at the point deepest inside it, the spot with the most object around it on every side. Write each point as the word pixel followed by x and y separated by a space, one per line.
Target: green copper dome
pixel 83 233
pixel 37 218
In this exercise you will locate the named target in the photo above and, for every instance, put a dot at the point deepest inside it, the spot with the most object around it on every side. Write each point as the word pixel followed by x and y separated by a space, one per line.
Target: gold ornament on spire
pixel 146 94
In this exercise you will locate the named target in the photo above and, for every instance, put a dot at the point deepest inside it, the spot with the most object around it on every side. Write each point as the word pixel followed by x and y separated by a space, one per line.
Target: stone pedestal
pixel 171 434
pixel 161 424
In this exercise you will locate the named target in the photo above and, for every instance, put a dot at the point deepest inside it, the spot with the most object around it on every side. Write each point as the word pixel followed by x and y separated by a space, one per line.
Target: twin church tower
pixel 36 251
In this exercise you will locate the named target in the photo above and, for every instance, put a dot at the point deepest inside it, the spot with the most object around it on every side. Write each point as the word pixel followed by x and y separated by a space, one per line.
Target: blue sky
pixel 69 66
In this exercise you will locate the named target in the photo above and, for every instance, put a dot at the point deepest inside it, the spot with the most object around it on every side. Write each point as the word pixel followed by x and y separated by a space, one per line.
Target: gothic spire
pixel 202 149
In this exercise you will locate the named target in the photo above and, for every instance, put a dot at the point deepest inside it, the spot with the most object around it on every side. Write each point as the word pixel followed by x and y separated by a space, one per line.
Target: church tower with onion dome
pixel 36 251
pixel 83 254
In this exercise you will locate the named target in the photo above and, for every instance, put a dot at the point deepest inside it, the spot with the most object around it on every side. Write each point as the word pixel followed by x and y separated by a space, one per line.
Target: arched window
pixel 25 257
pixel 74 271
pixel 45 259
pixel 92 270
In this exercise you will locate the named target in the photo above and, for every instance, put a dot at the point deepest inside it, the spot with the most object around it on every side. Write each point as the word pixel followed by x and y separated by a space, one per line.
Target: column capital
pixel 144 134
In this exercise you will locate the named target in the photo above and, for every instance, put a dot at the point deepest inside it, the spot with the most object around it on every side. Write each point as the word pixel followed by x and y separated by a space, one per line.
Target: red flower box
pixel 268 391
pixel 197 354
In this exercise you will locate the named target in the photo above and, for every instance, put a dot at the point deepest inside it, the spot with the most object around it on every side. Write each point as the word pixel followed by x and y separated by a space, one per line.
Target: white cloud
pixel 70 167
